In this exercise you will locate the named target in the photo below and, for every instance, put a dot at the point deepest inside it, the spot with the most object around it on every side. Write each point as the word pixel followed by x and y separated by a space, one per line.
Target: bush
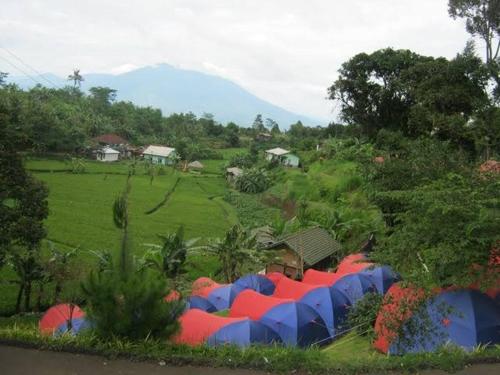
pixel 362 316
pixel 253 181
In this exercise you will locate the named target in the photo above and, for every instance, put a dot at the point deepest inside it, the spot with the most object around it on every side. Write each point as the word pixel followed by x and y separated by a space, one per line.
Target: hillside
pixel 178 90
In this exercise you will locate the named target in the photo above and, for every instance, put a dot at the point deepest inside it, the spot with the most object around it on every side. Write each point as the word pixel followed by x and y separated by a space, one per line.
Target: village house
pixel 115 142
pixel 107 154
pixel 283 157
pixel 297 252
pixel 160 155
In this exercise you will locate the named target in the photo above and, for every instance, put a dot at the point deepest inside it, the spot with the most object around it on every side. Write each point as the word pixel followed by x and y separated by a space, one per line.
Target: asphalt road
pixel 18 361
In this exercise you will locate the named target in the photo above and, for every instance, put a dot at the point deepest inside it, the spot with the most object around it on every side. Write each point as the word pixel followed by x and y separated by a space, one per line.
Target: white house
pixel 107 154
pixel 282 156
pixel 160 155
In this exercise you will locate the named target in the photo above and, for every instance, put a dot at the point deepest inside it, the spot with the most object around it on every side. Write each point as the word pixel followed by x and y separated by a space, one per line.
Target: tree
pixel 76 77
pixel 482 19
pixel 23 208
pixel 59 268
pixel 102 97
pixel 258 124
pixel 236 248
pixel 169 258
pixel 3 75
pixel 447 229
pixel 128 300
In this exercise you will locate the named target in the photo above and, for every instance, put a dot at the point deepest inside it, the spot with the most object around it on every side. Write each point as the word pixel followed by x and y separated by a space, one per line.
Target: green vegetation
pixel 349 355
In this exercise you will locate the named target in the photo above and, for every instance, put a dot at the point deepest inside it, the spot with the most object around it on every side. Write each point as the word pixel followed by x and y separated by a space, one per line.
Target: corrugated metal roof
pixel 277 151
pixel 158 151
pixel 235 171
pixel 315 244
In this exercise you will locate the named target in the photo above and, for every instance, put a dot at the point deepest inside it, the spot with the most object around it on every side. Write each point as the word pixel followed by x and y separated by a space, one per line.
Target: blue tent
pixel 382 277
pixel 201 303
pixel 465 318
pixel 258 283
pixel 77 325
pixel 243 333
pixel 296 323
pixel 341 305
pixel 222 297
pixel 354 286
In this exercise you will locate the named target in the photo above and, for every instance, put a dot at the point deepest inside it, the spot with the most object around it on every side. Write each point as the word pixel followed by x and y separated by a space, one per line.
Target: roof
pixel 110 139
pixel 195 164
pixel 235 171
pixel 315 243
pixel 264 236
pixel 158 151
pixel 277 151
pixel 109 150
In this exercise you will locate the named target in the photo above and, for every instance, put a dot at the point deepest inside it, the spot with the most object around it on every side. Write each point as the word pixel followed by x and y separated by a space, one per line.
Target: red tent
pixel 174 295
pixel 320 278
pixel 275 277
pixel 353 263
pixel 253 305
pixel 57 316
pixel 295 290
pixel 203 286
pixel 197 326
pixel 398 306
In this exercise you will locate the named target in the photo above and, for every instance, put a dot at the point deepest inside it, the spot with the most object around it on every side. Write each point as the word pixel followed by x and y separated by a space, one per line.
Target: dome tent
pixel 332 310
pixel 63 318
pixel 314 277
pixel 259 283
pixel 354 286
pixel 200 303
pixel 465 318
pixel 219 295
pixel 296 323
pixel 198 327
pixel 353 263
pixel 382 277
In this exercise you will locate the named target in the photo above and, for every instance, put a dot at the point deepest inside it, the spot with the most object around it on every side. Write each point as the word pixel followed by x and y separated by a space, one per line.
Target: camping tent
pixel 198 327
pixel 201 303
pixel 219 295
pixel 382 277
pixel 354 286
pixel 296 323
pixel 62 318
pixel 332 310
pixel 259 283
pixel 465 318
pixel 353 263
pixel 275 277
pixel 314 277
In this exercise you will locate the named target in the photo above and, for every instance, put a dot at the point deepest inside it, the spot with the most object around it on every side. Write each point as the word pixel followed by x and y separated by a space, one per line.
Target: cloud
pixel 285 51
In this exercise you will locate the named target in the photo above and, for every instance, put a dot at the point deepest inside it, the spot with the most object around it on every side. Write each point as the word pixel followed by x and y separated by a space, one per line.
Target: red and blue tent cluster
pixel 63 318
pixel 412 322
pixel 210 296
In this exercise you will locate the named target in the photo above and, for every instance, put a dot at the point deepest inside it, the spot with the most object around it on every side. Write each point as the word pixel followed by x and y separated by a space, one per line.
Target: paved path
pixel 18 361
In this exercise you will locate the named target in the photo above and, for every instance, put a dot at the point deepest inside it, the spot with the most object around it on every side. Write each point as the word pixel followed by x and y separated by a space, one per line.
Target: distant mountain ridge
pixel 178 90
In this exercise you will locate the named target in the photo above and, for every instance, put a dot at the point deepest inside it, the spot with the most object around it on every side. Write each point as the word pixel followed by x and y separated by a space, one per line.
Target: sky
pixel 285 51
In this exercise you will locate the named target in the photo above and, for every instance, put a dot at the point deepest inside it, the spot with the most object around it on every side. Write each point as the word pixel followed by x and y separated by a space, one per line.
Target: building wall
pixel 107 157
pixel 155 159
pixel 291 160
pixel 288 263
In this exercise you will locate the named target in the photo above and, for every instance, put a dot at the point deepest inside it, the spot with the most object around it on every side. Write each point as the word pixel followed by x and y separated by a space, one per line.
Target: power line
pixel 30 67
pixel 21 70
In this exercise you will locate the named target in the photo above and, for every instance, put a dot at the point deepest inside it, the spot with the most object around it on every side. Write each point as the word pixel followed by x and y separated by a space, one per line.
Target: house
pixel 116 142
pixel 232 174
pixel 283 157
pixel 107 154
pixel 297 252
pixel 195 165
pixel 263 137
pixel 160 155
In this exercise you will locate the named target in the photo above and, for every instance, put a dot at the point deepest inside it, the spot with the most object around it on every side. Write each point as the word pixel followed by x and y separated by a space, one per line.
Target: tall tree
pixel 76 77
pixel 482 19
pixel 3 75
pixel 258 123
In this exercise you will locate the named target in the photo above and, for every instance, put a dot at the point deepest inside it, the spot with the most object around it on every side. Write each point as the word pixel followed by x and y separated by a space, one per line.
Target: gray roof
pixel 264 236
pixel 315 243
pixel 235 171
pixel 195 164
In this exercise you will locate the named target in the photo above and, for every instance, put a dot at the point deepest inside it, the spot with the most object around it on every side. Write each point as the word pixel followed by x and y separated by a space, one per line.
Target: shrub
pixel 362 316
pixel 253 181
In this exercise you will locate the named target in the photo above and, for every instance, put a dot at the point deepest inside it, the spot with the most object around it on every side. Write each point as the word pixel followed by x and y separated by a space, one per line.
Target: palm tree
pixel 169 258
pixel 236 248
pixel 76 77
